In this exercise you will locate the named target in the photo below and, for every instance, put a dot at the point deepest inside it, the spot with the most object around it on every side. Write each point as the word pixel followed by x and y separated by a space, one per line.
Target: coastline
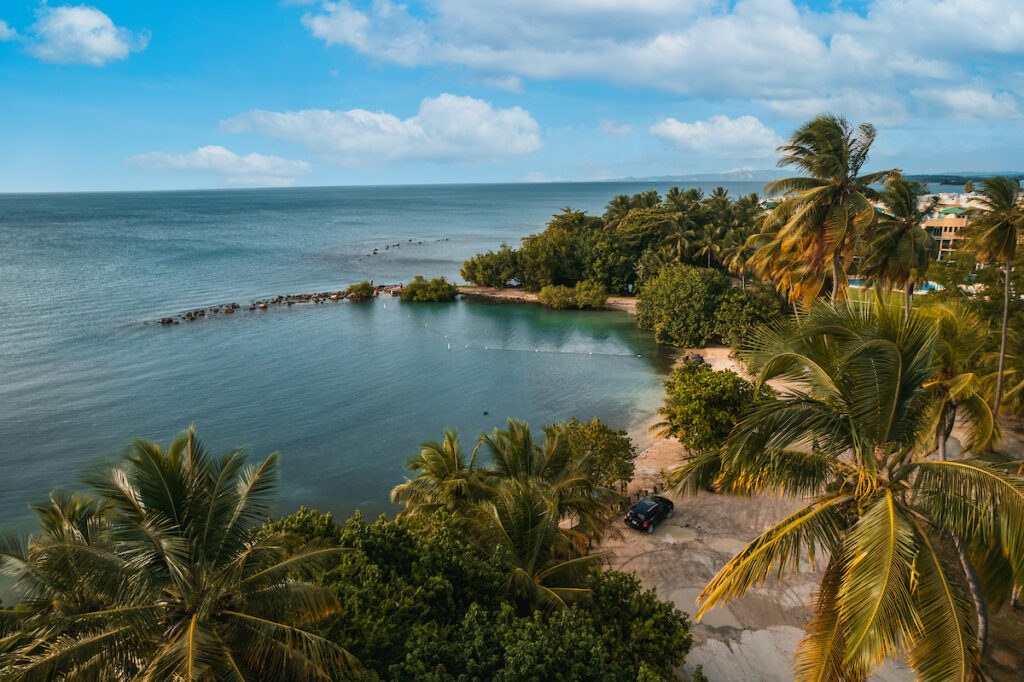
pixel 624 303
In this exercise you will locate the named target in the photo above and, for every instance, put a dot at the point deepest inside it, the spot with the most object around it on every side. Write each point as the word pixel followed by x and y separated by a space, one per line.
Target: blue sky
pixel 151 95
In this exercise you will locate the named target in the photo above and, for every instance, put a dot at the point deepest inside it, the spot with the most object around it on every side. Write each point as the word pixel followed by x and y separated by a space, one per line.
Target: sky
pixel 129 95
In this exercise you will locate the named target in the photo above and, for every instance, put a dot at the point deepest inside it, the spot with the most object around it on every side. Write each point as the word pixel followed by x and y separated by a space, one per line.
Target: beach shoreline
pixel 512 295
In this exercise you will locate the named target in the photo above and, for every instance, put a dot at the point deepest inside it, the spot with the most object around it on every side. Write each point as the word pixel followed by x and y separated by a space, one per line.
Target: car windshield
pixel 643 508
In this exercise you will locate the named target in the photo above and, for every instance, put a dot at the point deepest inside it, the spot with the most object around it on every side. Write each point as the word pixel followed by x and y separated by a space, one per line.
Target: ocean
pixel 345 392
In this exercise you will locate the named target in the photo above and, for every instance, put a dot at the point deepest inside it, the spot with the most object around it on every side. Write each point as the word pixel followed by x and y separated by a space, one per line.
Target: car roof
pixel 659 498
pixel 645 504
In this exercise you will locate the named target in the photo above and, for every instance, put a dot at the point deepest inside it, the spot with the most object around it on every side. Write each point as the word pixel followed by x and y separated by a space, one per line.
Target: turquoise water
pixel 344 391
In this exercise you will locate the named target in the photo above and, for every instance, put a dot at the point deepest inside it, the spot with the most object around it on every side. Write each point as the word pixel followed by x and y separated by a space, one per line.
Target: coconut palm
pixel 828 211
pixel 522 520
pixel 901 249
pixel 444 479
pixel 708 241
pixel 996 226
pixel 681 201
pixel 616 210
pixel 956 389
pixel 551 468
pixel 736 252
pixel 850 434
pixel 164 577
pixel 1013 369
pixel 680 232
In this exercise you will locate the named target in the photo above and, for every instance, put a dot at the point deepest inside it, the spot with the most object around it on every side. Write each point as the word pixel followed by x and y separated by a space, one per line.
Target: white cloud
pixel 447 127
pixel 607 127
pixel 81 35
pixel 7 33
pixel 720 136
pixel 969 103
pixel 772 50
pixel 233 169
pixel 507 83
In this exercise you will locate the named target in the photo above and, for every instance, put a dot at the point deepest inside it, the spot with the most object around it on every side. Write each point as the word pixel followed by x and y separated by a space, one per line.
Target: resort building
pixel 946 224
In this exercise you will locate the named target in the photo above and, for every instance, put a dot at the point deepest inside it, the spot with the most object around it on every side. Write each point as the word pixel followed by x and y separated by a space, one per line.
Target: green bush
pixel 740 312
pixel 702 405
pixel 679 305
pixel 611 452
pixel 435 290
pixel 363 291
pixel 493 269
pixel 557 296
pixel 589 295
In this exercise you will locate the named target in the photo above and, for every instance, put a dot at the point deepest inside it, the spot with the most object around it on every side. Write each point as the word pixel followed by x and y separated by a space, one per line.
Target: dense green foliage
pixel 420 601
pixel 435 290
pixel 159 575
pixel 585 296
pixel 494 268
pixel 740 312
pixel 363 291
pixel 610 452
pixel 703 405
pixel 557 296
pixel 679 305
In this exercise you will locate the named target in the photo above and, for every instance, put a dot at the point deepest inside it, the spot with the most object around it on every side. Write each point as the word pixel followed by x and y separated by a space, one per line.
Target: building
pixel 946 224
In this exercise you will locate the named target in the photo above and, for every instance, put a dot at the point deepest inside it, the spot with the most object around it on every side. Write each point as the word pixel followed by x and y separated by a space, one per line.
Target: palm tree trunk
pixel 974 586
pixel 946 428
pixel 908 294
pixel 709 260
pixel 1002 343
pixel 835 274
pixel 743 281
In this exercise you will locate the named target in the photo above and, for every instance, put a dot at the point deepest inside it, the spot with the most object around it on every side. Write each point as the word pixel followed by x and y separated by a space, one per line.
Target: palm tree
pixel 708 241
pixel 164 577
pixel 956 390
pixel 995 228
pixel 826 212
pixel 681 201
pixel 736 252
pixel 552 468
pixel 680 233
pixel 850 433
pixel 616 210
pixel 548 567
pixel 901 249
pixel 444 479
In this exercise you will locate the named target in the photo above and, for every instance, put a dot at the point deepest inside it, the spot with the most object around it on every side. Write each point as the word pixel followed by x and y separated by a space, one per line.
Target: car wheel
pixel 650 529
pixel 669 515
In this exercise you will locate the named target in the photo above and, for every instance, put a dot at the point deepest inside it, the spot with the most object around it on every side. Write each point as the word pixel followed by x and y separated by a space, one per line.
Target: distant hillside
pixel 961 178
pixel 743 175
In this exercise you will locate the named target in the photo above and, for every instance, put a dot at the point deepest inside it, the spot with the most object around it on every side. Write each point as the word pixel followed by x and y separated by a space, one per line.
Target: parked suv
pixel 649 512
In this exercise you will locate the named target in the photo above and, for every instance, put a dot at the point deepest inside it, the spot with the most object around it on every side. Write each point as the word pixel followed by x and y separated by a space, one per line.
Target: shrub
pixel 435 290
pixel 611 452
pixel 702 405
pixel 493 269
pixel 589 295
pixel 740 312
pixel 556 296
pixel 363 291
pixel 679 304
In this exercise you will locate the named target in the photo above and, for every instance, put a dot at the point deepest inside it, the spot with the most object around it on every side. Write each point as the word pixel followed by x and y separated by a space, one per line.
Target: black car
pixel 649 512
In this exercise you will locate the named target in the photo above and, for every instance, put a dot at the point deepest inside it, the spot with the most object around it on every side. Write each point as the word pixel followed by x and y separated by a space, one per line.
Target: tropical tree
pixel 708 241
pixel 826 212
pixel 616 210
pixel 164 576
pixel 901 249
pixel 997 224
pixel 548 568
pixel 956 389
pixel 444 479
pixel 736 253
pixel 850 433
pixel 551 468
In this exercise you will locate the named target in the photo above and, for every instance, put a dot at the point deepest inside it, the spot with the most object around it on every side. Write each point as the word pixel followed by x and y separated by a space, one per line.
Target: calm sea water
pixel 345 392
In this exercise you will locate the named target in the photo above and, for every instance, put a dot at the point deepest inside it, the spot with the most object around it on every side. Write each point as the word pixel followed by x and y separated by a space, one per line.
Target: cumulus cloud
pixel 447 127
pixel 81 35
pixel 969 103
pixel 232 168
pixel 720 135
pixel 7 33
pixel 774 50
pixel 607 127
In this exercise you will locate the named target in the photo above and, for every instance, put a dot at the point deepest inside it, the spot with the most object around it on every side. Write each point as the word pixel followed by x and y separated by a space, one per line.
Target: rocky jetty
pixel 265 304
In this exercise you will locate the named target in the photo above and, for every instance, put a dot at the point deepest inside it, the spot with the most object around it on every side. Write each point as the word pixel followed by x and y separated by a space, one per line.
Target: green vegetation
pixel 609 452
pixel 585 296
pixel 703 405
pixel 435 290
pixel 493 269
pixel 852 435
pixel 164 571
pixel 741 311
pixel 679 305
pixel 363 291
pixel 158 573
